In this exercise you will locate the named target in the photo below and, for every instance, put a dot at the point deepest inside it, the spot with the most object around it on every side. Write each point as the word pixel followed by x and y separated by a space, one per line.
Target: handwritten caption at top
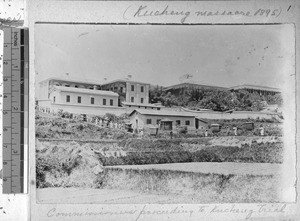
pixel 143 11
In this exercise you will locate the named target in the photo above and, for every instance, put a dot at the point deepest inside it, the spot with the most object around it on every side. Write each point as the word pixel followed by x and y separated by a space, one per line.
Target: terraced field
pixel 224 168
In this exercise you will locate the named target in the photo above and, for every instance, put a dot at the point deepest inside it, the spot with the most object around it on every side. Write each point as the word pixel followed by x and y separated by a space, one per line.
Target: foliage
pixel 136 158
pixel 214 99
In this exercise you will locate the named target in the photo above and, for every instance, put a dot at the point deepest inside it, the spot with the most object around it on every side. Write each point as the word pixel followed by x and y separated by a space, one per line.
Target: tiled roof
pixel 162 113
pixel 73 80
pixel 188 84
pixel 258 87
pixel 123 80
pixel 141 104
pixel 85 91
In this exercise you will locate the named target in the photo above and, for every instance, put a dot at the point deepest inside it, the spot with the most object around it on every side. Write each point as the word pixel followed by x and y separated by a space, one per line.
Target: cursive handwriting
pixel 137 214
pixel 143 11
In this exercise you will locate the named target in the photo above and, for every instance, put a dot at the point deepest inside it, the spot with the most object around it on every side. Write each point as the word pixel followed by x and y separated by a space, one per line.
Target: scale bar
pixel 15 109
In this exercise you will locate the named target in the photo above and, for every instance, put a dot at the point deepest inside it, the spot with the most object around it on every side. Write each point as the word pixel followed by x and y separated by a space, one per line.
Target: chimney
pixel 95 87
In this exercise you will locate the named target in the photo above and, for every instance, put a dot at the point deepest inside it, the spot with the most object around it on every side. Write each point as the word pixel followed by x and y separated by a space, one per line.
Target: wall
pixel 142 120
pixel 233 115
pixel 83 109
pixel 85 99
pixel 137 94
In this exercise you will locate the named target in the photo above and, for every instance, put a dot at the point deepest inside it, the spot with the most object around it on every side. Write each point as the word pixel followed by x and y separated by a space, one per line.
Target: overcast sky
pixel 223 55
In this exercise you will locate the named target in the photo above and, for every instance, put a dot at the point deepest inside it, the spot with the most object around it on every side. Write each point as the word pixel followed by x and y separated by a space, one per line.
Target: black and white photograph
pixel 163 114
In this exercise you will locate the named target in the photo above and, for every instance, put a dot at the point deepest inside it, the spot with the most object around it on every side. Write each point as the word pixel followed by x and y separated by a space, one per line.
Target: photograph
pixel 162 114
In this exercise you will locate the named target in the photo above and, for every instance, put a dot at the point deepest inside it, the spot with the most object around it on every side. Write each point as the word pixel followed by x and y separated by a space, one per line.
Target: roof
pixel 187 84
pixel 162 113
pixel 124 80
pixel 200 119
pixel 73 80
pixel 258 87
pixel 85 91
pixel 141 104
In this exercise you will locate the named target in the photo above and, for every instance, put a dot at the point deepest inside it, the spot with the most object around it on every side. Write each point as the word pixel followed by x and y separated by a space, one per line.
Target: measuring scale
pixel 15 110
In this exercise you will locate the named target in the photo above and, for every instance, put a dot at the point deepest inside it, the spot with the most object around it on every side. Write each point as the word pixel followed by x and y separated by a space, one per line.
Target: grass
pixel 207 188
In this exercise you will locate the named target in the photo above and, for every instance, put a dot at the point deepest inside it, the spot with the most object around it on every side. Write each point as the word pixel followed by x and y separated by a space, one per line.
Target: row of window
pixel 142 88
pixel 187 122
pixel 132 100
pixel 68 100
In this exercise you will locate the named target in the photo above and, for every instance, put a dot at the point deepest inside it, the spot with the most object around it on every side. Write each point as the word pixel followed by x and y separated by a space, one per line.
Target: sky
pixel 221 55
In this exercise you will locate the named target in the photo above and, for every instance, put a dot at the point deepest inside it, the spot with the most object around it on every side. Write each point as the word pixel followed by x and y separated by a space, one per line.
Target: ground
pixel 78 162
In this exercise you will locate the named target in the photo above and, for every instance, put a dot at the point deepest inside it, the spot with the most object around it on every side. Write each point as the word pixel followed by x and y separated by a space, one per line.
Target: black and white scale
pixel 15 110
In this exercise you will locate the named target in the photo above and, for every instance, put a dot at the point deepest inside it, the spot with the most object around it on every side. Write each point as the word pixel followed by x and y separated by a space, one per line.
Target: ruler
pixel 15 110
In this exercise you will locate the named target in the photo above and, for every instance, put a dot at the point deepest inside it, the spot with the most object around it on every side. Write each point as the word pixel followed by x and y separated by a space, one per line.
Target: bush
pixel 139 158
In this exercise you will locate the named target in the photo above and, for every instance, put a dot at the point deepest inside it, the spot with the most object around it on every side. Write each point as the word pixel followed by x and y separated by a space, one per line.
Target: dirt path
pixel 224 168
pixel 78 195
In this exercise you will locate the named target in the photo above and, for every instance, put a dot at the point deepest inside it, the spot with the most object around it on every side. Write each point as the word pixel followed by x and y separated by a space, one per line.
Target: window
pixel 142 100
pixel 104 101
pixel 111 102
pixel 132 87
pixel 92 100
pixel 187 122
pixel 132 99
pixel 54 99
pixel 78 99
pixel 142 88
pixel 158 108
pixel 177 122
pixel 76 86
pixel 148 121
pixel 68 98
pixel 121 89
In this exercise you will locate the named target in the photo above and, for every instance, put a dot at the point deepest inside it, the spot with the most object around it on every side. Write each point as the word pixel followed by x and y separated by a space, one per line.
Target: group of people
pixel 235 131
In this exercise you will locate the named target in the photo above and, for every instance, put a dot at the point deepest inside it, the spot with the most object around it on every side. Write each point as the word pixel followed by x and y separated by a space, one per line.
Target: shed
pixel 141 118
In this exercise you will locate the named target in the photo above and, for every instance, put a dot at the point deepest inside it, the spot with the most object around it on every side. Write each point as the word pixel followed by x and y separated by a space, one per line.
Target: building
pixel 78 97
pixel 133 106
pixel 261 90
pixel 82 101
pixel 45 86
pixel 182 88
pixel 132 94
pixel 82 96
pixel 142 118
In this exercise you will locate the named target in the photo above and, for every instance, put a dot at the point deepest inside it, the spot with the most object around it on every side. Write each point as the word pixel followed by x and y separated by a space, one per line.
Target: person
pixel 235 130
pixel 171 134
pixel 206 133
pixel 261 130
pixel 141 134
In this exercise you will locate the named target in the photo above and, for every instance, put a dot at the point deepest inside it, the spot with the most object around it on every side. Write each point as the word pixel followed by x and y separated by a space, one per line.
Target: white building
pixel 141 118
pixel 77 97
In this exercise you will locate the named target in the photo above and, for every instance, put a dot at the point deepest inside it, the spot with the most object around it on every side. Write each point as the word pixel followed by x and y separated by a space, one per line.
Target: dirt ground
pixel 224 168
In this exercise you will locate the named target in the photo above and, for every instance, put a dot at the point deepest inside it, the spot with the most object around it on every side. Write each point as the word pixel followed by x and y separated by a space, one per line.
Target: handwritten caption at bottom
pixel 147 211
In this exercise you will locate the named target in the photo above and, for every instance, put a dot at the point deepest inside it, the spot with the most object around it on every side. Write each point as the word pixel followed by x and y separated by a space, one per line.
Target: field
pixel 209 169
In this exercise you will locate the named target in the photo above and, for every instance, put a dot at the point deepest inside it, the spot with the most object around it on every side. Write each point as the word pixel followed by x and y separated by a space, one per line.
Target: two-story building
pixel 77 97
pixel 132 94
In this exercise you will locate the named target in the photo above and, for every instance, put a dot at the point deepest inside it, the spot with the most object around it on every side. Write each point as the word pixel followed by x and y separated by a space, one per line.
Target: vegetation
pixel 217 100
pixel 196 187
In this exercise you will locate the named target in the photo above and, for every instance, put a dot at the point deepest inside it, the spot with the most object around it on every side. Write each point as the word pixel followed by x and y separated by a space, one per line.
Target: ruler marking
pixel 15 65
